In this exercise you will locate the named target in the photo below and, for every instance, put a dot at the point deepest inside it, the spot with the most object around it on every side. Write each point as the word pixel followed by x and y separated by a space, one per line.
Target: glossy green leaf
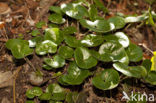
pixel 54 35
pixel 119 37
pixel 72 41
pixel 35 32
pixel 56 18
pixel 93 12
pixel 19 48
pixel 55 9
pixel 56 62
pixel 84 59
pixel 45 96
pixel 66 52
pixel 100 5
pixel 35 91
pixel 35 40
pixel 97 25
pixel 117 21
pixel 134 53
pixel 45 47
pixel 113 51
pixel 69 30
pixel 75 75
pixel 40 24
pixel 147 64
pixel 74 10
pixel 57 92
pixel 92 40
pixel 151 78
pixel 153 60
pixel 107 79
pixel 131 71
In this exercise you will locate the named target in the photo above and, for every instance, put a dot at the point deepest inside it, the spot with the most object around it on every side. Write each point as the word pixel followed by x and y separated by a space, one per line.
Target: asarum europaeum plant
pixel 101 44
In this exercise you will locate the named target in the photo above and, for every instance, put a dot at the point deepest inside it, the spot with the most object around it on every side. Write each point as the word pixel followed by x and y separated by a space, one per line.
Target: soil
pixel 21 10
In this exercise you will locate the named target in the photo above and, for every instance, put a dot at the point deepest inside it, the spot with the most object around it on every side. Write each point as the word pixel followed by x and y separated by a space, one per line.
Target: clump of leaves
pixel 78 56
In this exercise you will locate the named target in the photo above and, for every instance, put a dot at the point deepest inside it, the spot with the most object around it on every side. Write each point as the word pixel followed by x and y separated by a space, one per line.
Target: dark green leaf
pixel 72 41
pixel 113 51
pixel 101 6
pixel 19 48
pixel 134 53
pixel 66 52
pixel 147 64
pixel 40 24
pixel 97 25
pixel 107 79
pixel 35 40
pixel 84 58
pixel 75 75
pixel 92 40
pixel 151 78
pixel 45 96
pixel 69 30
pixel 35 91
pixel 35 32
pixel 71 97
pixel 30 101
pixel 56 18
pixel 54 35
pixel 93 12
pixel 74 10
pixel 118 22
pixel 56 62
pixel 55 9
pixel 45 47
pixel 131 71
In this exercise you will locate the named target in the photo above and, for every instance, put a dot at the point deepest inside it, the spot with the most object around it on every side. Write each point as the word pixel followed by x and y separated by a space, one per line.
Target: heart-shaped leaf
pixel 119 22
pixel 72 41
pixel 119 37
pixel 75 75
pixel 55 9
pixel 113 51
pixel 56 62
pixel 69 30
pixel 35 40
pixel 56 18
pixel 84 59
pixel 131 71
pixel 151 78
pixel 54 35
pixel 66 52
pixel 58 93
pixel 97 25
pixel 35 91
pixel 45 47
pixel 92 40
pixel 107 79
pixel 74 10
pixel 19 48
pixel 134 53
pixel 153 60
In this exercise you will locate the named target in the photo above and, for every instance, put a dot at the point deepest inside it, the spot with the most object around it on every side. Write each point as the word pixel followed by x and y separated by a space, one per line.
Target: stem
pixel 28 61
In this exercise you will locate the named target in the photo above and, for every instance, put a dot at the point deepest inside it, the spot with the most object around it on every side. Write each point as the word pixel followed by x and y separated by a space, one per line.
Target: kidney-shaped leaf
pixel 118 22
pixel 113 51
pixel 45 47
pixel 107 79
pixel 74 10
pixel 72 41
pixel 92 40
pixel 58 93
pixel 54 35
pixel 56 62
pixel 131 71
pixel 56 18
pixel 134 53
pixel 84 58
pixel 97 25
pixel 35 91
pixel 75 75
pixel 19 48
pixel 151 78
pixel 66 52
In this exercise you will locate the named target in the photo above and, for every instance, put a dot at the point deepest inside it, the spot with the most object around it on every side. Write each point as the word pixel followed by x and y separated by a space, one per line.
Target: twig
pixel 28 61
